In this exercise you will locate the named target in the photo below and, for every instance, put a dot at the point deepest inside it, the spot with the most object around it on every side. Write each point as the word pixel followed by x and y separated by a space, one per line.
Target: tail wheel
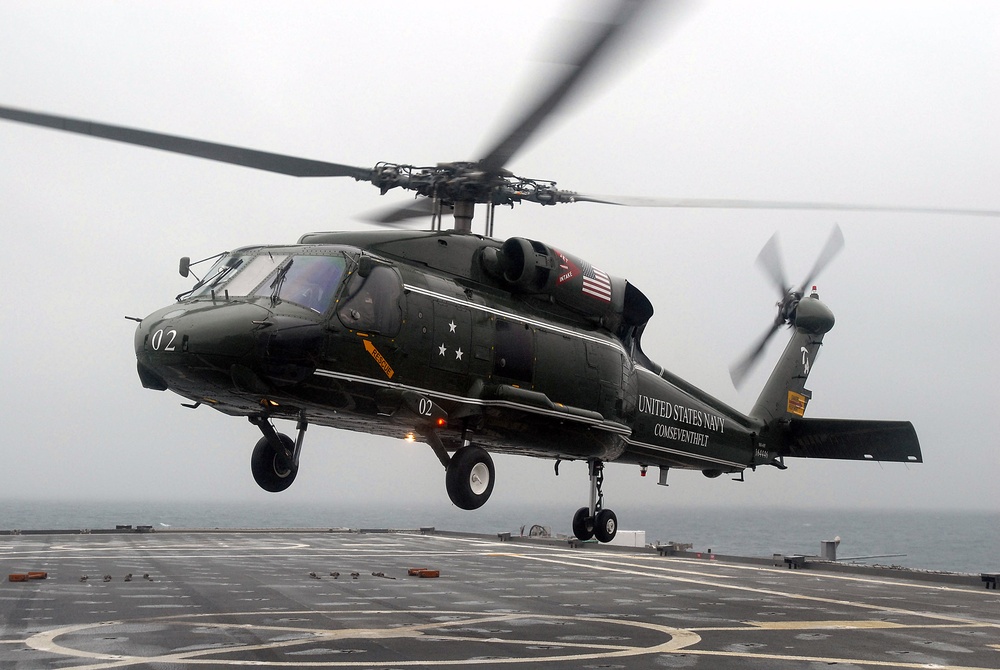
pixel 605 525
pixel 583 524
pixel 469 478
pixel 273 471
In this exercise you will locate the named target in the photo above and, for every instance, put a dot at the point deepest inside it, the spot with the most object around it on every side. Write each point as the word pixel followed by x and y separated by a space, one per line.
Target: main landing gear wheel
pixel 595 520
pixel 583 524
pixel 273 471
pixel 469 477
pixel 605 526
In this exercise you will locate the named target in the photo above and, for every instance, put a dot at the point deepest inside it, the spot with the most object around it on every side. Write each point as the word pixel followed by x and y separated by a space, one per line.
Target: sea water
pixel 954 541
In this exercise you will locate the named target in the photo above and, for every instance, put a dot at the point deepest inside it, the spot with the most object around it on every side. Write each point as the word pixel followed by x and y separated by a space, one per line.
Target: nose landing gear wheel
pixel 469 477
pixel 271 470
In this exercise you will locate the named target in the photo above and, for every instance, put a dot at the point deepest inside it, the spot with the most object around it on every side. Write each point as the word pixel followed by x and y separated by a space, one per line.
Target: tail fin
pixel 785 395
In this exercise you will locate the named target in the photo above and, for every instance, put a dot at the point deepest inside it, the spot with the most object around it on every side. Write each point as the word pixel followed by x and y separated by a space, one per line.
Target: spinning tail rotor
pixel 769 260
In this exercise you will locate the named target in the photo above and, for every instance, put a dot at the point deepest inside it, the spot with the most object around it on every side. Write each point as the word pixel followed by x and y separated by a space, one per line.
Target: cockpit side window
pixel 373 303
pixel 223 269
pixel 310 281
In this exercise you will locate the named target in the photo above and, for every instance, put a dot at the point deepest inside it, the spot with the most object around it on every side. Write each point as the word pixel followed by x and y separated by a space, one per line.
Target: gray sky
pixel 866 102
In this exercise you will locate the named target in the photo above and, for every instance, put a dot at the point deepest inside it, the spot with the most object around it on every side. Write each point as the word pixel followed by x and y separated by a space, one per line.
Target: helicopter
pixel 530 325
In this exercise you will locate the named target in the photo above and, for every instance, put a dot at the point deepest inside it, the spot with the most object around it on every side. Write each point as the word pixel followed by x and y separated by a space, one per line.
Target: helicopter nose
pixel 196 341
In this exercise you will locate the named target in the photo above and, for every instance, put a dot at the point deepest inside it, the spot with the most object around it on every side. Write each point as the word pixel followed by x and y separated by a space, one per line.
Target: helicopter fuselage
pixel 439 337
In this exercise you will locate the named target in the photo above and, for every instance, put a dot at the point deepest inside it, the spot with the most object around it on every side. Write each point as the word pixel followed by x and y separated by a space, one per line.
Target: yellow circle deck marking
pixel 674 639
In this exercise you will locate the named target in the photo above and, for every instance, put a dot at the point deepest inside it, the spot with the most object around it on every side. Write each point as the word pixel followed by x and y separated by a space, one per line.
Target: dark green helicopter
pixel 471 344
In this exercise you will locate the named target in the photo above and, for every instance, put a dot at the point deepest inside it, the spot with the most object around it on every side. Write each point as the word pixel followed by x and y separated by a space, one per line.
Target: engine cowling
pixel 531 267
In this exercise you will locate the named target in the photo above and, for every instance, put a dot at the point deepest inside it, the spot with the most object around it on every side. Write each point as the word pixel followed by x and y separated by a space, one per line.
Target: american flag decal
pixel 596 283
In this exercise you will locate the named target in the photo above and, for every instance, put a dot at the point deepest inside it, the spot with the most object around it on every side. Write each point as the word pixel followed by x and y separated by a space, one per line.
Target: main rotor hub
pixel 467 182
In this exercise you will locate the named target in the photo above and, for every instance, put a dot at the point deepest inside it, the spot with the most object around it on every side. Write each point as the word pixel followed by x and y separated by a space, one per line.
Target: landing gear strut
pixel 595 521
pixel 275 459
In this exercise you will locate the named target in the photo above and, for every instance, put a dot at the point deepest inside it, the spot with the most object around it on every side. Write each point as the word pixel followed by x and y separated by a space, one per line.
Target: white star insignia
pixel 452 326
pixel 442 349
pixel 458 355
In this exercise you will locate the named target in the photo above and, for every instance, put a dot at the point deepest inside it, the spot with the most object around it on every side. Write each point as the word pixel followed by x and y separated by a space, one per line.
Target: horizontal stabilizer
pixel 853 440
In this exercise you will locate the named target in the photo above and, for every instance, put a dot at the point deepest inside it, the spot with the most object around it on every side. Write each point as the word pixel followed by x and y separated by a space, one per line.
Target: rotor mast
pixel 464 211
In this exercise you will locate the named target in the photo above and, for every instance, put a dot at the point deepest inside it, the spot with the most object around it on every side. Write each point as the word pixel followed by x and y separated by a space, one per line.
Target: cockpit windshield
pixel 254 273
pixel 308 280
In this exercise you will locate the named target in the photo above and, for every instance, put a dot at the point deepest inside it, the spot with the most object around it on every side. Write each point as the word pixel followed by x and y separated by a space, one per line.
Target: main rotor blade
pixel 832 247
pixel 726 203
pixel 739 371
pixel 415 209
pixel 590 51
pixel 262 160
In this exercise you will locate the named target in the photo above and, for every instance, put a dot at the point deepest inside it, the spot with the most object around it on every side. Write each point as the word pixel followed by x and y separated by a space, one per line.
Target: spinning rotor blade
pixel 415 209
pixel 739 371
pixel 262 160
pixel 726 203
pixel 501 153
pixel 769 260
pixel 832 247
pixel 409 212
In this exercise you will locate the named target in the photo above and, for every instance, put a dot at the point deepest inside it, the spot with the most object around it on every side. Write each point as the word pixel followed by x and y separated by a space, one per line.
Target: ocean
pixel 953 541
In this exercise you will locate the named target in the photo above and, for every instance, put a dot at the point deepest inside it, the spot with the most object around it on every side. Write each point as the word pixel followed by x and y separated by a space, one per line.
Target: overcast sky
pixel 862 102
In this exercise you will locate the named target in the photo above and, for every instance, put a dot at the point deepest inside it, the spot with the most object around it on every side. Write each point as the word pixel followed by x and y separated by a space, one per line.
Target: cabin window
pixel 373 304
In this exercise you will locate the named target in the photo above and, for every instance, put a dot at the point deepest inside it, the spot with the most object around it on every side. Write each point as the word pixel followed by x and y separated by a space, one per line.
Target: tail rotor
pixel 769 260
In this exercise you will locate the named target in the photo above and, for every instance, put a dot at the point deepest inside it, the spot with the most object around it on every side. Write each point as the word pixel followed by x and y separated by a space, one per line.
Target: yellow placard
pixel 797 403
pixel 382 363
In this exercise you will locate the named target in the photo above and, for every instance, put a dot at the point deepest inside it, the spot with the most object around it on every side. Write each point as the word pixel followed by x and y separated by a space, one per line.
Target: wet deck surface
pixel 234 599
